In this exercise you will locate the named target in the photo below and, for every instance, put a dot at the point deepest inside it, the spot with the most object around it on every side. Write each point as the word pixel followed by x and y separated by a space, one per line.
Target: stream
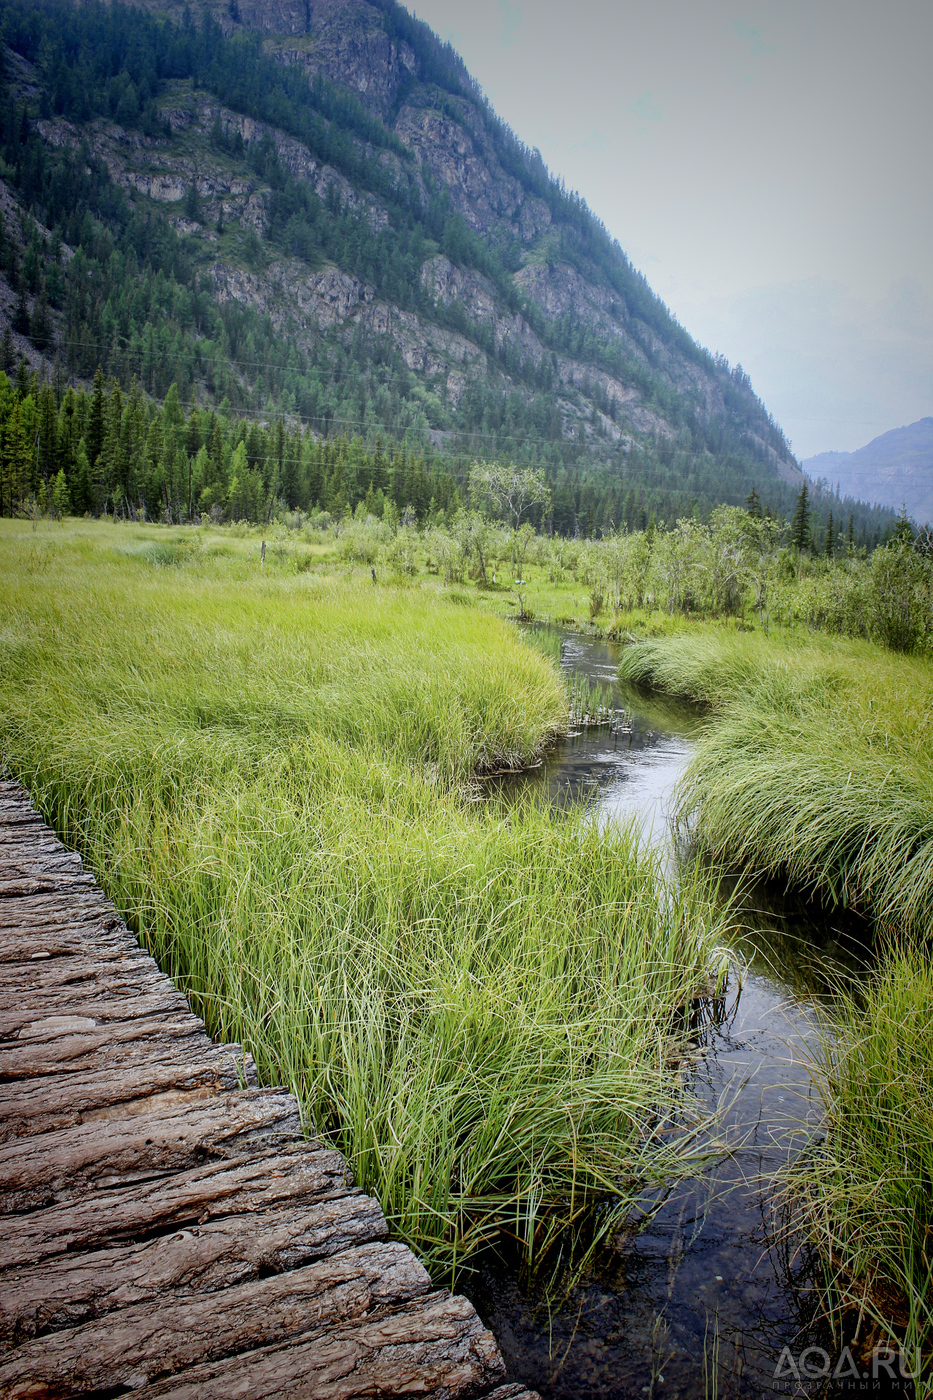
pixel 703 1299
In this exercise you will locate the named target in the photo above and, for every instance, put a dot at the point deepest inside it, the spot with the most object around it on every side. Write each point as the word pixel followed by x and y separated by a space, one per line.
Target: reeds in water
pixel 591 706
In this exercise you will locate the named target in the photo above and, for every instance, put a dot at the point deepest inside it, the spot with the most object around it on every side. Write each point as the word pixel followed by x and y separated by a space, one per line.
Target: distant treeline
pixel 104 451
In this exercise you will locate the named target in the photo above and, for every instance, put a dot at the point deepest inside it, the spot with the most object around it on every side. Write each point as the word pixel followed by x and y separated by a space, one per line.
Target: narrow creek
pixel 703 1299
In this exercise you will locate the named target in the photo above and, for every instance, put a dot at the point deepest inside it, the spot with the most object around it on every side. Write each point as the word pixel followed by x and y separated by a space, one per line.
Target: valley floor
pixel 270 771
pixel 269 763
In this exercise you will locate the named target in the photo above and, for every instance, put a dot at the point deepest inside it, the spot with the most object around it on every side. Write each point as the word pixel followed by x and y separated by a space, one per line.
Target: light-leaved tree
pixel 510 490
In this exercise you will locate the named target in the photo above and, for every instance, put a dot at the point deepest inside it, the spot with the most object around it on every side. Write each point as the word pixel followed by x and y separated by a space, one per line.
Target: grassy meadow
pixel 816 764
pixel 269 766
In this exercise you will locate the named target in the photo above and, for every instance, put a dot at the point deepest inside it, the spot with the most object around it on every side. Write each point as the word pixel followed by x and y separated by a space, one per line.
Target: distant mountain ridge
pixel 893 470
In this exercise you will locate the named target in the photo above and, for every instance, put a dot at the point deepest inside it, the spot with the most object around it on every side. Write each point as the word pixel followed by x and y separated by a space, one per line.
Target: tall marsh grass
pixel 816 762
pixel 865 1195
pixel 480 1008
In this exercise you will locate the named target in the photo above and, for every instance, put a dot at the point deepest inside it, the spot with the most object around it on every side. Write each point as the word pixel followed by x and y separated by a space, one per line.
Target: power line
pixel 387 378
pixel 261 415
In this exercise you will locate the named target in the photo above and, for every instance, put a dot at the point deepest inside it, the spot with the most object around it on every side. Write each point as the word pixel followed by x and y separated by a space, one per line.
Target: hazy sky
pixel 768 166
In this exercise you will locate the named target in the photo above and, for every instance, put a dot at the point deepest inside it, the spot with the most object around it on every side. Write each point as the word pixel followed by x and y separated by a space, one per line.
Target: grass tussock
pixel 265 770
pixel 816 761
pixel 866 1194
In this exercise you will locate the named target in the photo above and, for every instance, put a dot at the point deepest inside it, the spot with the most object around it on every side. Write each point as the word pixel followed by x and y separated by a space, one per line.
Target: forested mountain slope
pixel 309 209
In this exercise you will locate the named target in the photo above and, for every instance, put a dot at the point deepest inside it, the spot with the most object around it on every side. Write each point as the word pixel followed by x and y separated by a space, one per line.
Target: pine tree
pixel 14 462
pixel 94 433
pixel 60 499
pixel 108 465
pixel 379 478
pixel 48 435
pixel 336 500
pixel 828 544
pixel 40 323
pixel 21 314
pixel 800 525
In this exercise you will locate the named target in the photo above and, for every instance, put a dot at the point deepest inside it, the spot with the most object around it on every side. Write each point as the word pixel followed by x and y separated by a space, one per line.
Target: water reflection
pixel 623 776
pixel 702 1299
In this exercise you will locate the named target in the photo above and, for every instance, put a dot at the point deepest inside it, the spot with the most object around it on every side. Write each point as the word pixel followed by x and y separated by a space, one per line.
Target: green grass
pixel 866 1194
pixel 269 770
pixel 816 761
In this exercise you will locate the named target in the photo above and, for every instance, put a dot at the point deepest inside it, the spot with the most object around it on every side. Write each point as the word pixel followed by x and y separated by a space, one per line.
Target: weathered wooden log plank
pixel 86 925
pixel 58 952
pixel 16 805
pixel 435 1348
pixel 18 886
pixel 35 840
pixel 18 842
pixel 38 1171
pixel 69 1290
pixel 35 858
pixel 20 932
pixel 28 1021
pixel 19 813
pixel 300 1176
pixel 25 947
pixel 86 1047
pixel 53 1102
pixel 138 1344
pixel 12 817
pixel 38 909
pixel 11 812
pixel 80 976
pixel 13 794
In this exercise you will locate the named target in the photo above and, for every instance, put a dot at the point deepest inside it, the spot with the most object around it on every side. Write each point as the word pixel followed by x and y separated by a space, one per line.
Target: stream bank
pixel 701 1301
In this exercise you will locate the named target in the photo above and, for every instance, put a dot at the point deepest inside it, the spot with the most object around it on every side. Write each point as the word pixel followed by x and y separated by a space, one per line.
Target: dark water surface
pixel 702 1301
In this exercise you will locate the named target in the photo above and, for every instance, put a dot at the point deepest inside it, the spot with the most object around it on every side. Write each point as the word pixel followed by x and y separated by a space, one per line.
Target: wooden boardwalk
pixel 165 1227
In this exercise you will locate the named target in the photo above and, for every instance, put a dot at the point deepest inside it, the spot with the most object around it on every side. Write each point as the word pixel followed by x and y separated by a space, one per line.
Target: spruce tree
pixel 21 314
pixel 61 501
pixel 800 525
pixel 94 434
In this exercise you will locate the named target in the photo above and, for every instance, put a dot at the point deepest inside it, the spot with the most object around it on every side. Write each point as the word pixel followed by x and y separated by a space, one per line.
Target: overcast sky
pixel 767 165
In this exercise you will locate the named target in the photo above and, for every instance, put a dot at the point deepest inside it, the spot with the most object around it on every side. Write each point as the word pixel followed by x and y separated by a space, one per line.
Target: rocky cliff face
pixel 558 309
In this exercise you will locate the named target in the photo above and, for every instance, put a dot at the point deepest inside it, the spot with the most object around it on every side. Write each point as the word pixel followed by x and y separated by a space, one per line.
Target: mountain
pixel 895 469
pixel 307 207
